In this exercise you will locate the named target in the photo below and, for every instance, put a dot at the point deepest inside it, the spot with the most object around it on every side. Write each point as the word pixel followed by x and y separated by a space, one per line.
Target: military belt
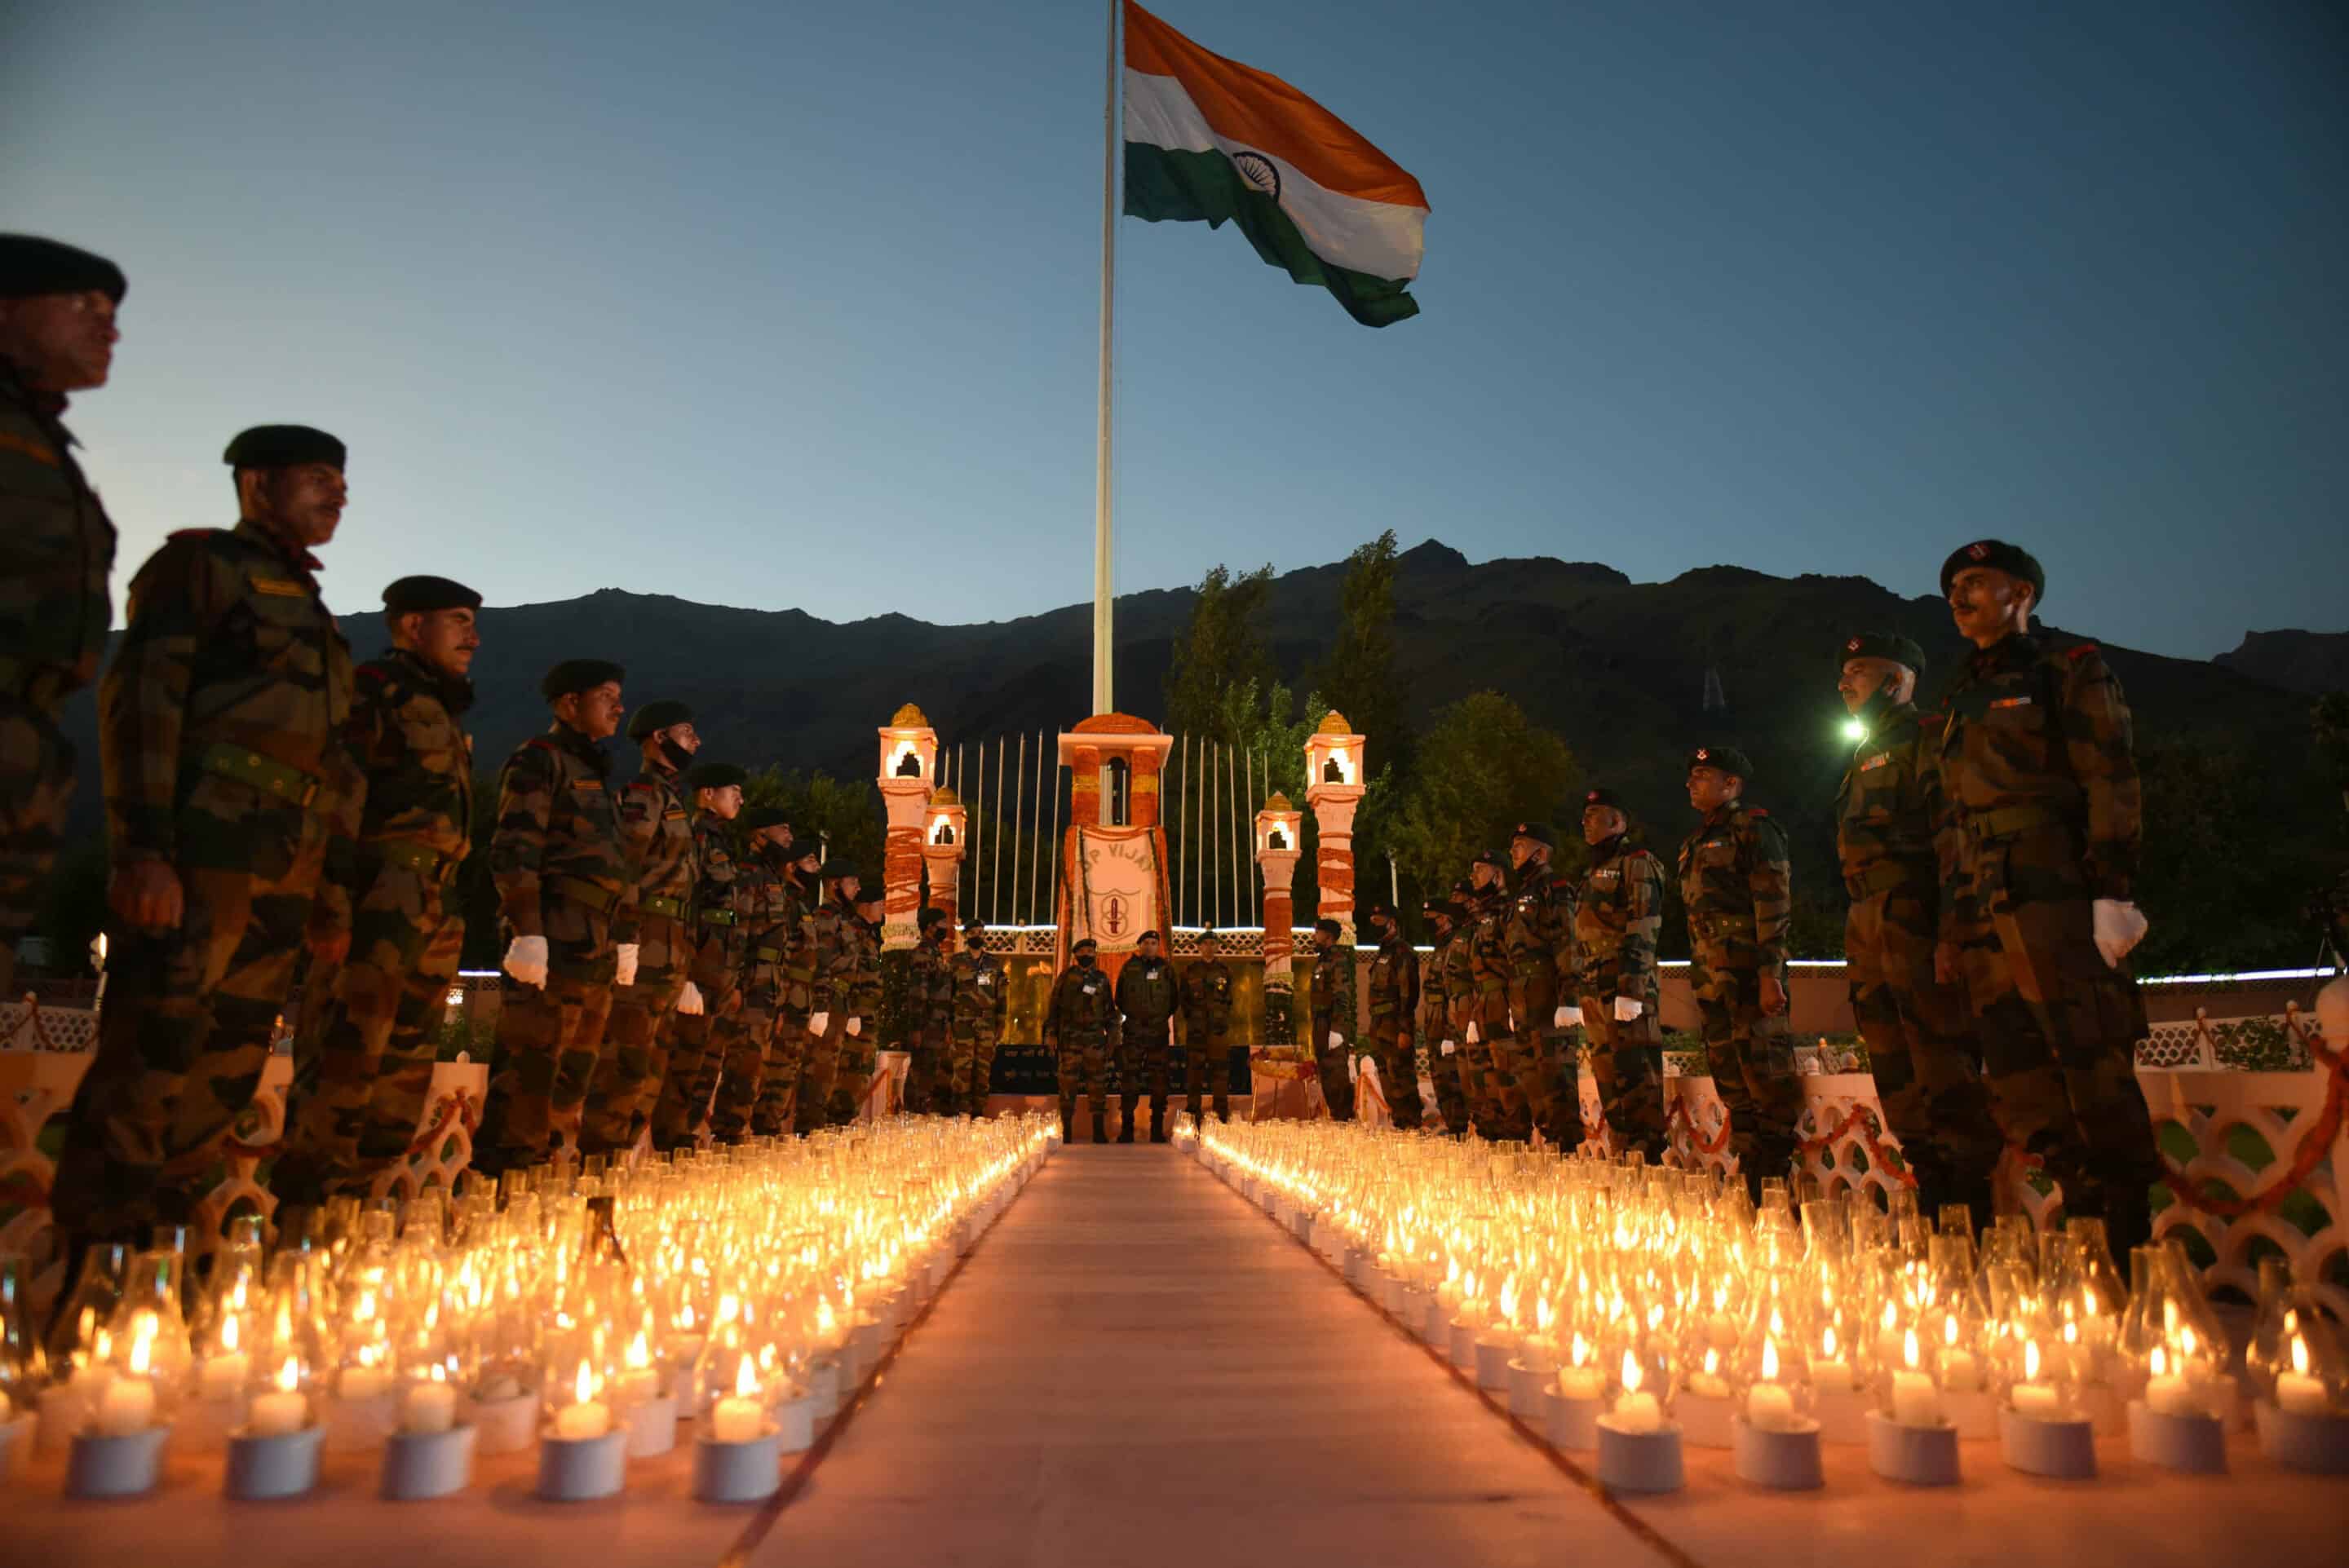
pixel 580 890
pixel 718 917
pixel 1885 875
pixel 2008 821
pixel 674 908
pixel 766 955
pixel 409 855
pixel 1491 987
pixel 269 777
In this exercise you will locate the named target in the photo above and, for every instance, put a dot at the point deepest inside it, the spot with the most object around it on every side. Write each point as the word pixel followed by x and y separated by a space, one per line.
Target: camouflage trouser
pixel 1083 1062
pixel 1444 1070
pixel 547 1045
pixel 1751 1056
pixel 858 1055
pixel 186 1032
pixel 970 1068
pixel 1493 1100
pixel 1331 1062
pixel 1142 1049
pixel 2058 1028
pixel 690 1079
pixel 777 1114
pixel 742 1041
pixel 629 1072
pixel 364 1050
pixel 1919 1048
pixel 36 784
pixel 1208 1071
pixel 1623 1065
pixel 926 1074
pixel 1398 1070
pixel 820 1072
pixel 1550 1071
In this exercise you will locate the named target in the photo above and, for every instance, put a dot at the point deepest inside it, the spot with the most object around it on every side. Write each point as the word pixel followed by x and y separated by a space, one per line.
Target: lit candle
pixel 586 1417
pixel 430 1407
pixel 280 1410
pixel 1769 1404
pixel 739 1416
pixel 2030 1397
pixel 1580 1381
pixel 1707 1380
pixel 1636 1409
pixel 2297 1392
pixel 364 1382
pixel 127 1405
pixel 1829 1370
pixel 1916 1402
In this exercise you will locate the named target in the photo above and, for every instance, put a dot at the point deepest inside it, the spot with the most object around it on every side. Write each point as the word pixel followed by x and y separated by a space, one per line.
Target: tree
pixel 843 813
pixel 1483 768
pixel 1222 649
pixel 1358 677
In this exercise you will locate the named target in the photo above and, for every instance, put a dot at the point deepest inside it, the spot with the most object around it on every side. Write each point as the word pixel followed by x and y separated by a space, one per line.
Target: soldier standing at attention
pixel 1392 1001
pixel 1491 1031
pixel 1330 1004
pixel 220 726
pixel 834 930
pixel 56 551
pixel 691 1074
pixel 777 1115
pixel 978 1003
pixel 1540 934
pixel 1478 1081
pixel 1434 1019
pixel 1733 881
pixel 1206 993
pixel 1618 912
pixel 1147 996
pixel 2038 848
pixel 742 1041
pixel 860 1043
pixel 659 834
pixel 1915 1027
pixel 362 1075
pixel 1076 1024
pixel 564 885
pixel 930 994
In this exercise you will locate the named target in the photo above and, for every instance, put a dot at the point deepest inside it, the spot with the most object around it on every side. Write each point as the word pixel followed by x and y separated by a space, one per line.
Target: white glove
pixel 1353 1068
pixel 1449 1047
pixel 1337 1041
pixel 1628 1008
pixel 1569 1017
pixel 690 1002
pixel 1473 1036
pixel 818 1022
pixel 2120 927
pixel 855 1026
pixel 526 961
pixel 626 973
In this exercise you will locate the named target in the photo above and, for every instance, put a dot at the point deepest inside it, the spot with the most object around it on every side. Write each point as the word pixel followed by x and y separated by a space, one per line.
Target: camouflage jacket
pixel 1540 930
pixel 864 978
pixel 405 736
pixel 1147 992
pixel 1734 885
pixel 1616 918
pixel 2036 738
pixel 1331 997
pixel 231 667
pixel 659 832
pixel 834 930
pixel 1393 986
pixel 979 994
pixel 929 991
pixel 1435 1014
pixel 775 924
pixel 557 841
pixel 56 551
pixel 1886 807
pixel 1490 971
pixel 1207 1001
pixel 717 893
pixel 1081 1012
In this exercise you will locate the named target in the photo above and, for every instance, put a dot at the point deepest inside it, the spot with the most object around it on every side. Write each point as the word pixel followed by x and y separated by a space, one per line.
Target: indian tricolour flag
pixel 1208 137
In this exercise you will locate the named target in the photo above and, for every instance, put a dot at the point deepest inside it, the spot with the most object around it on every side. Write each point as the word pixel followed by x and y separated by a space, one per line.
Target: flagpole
pixel 1102 688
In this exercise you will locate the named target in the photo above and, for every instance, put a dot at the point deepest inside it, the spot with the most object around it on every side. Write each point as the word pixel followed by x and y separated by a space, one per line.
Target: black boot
pixel 1101 1127
pixel 1157 1123
pixel 1067 1124
pixel 1125 1124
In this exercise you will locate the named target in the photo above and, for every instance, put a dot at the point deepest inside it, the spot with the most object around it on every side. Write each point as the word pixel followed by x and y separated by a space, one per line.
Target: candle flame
pixel 1711 1359
pixel 2299 1354
pixel 1950 1329
pixel 1630 1373
pixel 2030 1361
pixel 2160 1361
pixel 639 1353
pixel 1580 1350
pixel 289 1376
pixel 228 1332
pixel 1828 1342
pixel 584 1388
pixel 1769 1359
pixel 2185 1340
pixel 746 1380
pixel 142 1350
pixel 1908 1350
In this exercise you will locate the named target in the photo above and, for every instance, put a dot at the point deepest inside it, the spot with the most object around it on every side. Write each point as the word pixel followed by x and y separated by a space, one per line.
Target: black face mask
pixel 676 756
pixel 1084 960
pixel 1880 703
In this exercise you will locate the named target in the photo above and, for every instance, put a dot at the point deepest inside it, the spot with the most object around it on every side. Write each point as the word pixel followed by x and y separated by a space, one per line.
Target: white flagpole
pixel 1102 688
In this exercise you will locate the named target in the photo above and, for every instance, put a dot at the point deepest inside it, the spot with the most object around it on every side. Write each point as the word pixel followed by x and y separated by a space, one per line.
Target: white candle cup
pixel 2182 1438
pixel 2313 1440
pixel 1493 1357
pixel 263 1465
pixel 427 1409
pixel 1570 1421
pixel 1393 1292
pixel 1434 1325
pixel 1915 1401
pixel 1704 1418
pixel 1525 1385
pixel 1784 1459
pixel 652 1426
pixel 1303 1223
pixel 2063 1447
pixel 125 1407
pixel 582 1470
pixel 795 1424
pixel 504 1425
pixel 941 1266
pixel 1633 1458
pixel 744 1470
pixel 864 1348
pixel 116 1464
pixel 417 1465
pixel 1914 1454
pixel 826 1390
pixel 2298 1394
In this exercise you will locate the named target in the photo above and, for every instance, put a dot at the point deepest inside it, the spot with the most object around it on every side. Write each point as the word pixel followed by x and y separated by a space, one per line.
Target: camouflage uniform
pixel 1147 996
pixel 835 932
pixel 1330 1001
pixel 1915 1027
pixel 1618 911
pixel 793 936
pixel 1434 1019
pixel 2042 817
pixel 1077 1024
pixel 859 1053
pixel 1495 1051
pixel 1540 934
pixel 743 1042
pixel 562 873
pixel 1207 1011
pixel 659 834
pixel 979 997
pixel 363 1070
pixel 1733 882
pixel 56 549
pixel 930 994
pixel 220 728
pixel 1393 1001
pixel 1478 1081
pixel 691 1077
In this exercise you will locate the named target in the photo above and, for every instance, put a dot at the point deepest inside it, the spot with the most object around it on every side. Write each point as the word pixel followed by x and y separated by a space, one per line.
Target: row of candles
pixel 745 1289
pixel 1624 1307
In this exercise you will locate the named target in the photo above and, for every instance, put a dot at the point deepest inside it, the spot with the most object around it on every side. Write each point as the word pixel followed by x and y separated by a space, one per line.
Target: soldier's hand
pixel 1473 1036
pixel 625 959
pixel 2119 928
pixel 1945 963
pixel 855 1027
pixel 690 1002
pixel 146 894
pixel 1774 994
pixel 329 947
pixel 1566 1018
pixel 1628 1009
pixel 818 1022
pixel 526 961
pixel 1449 1047
pixel 1337 1041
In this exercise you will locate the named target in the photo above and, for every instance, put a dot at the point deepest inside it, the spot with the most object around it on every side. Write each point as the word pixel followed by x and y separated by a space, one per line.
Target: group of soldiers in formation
pixel 265 795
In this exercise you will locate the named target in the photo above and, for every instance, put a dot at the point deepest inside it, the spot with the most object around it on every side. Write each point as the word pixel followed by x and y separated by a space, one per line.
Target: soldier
pixel 1478 1081
pixel 1077 1024
pixel 1733 882
pixel 979 998
pixel 793 934
pixel 2038 848
pixel 659 834
pixel 362 1074
pixel 1491 1030
pixel 1540 936
pixel 1618 911
pixel 835 932
pixel 691 1077
pixel 859 1042
pixel 1434 1019
pixel 1147 998
pixel 744 1041
pixel 1394 1002
pixel 56 551
pixel 930 996
pixel 221 727
pixel 1206 1013
pixel 1331 1006
pixel 564 886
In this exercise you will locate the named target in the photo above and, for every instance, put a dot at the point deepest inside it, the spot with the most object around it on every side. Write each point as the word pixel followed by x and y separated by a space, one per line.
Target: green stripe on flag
pixel 1167 186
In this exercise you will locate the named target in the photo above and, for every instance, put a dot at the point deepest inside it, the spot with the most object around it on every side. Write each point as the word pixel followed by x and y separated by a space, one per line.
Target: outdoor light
pixel 1854 731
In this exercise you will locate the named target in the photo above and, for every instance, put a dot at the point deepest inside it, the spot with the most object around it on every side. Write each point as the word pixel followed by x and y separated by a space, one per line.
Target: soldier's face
pixel 1149 947
pixel 595 713
pixel 1863 679
pixel 1483 874
pixel 1987 604
pixel 1709 789
pixel 445 639
pixel 1210 949
pixel 848 890
pixel 725 803
pixel 1600 823
pixel 1085 958
pixel 61 342
pixel 302 503
pixel 1523 849
pixel 683 736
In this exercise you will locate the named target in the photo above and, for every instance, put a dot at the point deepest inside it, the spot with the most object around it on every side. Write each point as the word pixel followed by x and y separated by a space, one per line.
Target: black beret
pixel 1209 934
pixel 282 447
pixel 422 595
pixel 1725 758
pixel 1492 858
pixel 1607 798
pixel 1147 937
pixel 579 675
pixel 809 848
pixel 1331 926
pixel 1537 831
pixel 1891 645
pixel 31 265
pixel 931 916
pixel 832 870
pixel 1463 890
pixel 1439 909
pixel 1373 910
pixel 1084 942
pixel 971 922
pixel 657 715
pixel 759 817
pixel 715 775
pixel 1996 553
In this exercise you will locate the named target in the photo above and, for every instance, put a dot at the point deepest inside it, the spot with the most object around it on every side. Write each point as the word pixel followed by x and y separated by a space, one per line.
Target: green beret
pixel 931 916
pixel 1492 858
pixel 1537 831
pixel 31 265
pixel 833 870
pixel 1331 926
pixel 759 817
pixel 657 715
pixel 579 675
pixel 422 595
pixel 1607 798
pixel 2011 559
pixel 1376 910
pixel 807 849
pixel 715 775
pixel 282 447
pixel 1722 758
pixel 1463 890
pixel 1891 645
pixel 971 922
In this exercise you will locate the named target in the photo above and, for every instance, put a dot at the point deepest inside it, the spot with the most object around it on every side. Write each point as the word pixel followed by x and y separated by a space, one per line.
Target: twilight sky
pixel 774 304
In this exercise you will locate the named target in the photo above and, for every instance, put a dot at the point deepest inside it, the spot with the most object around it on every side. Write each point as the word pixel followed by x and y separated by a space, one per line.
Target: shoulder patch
pixel 2082 652
pixel 40 451
pixel 1756 811
pixel 280 588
